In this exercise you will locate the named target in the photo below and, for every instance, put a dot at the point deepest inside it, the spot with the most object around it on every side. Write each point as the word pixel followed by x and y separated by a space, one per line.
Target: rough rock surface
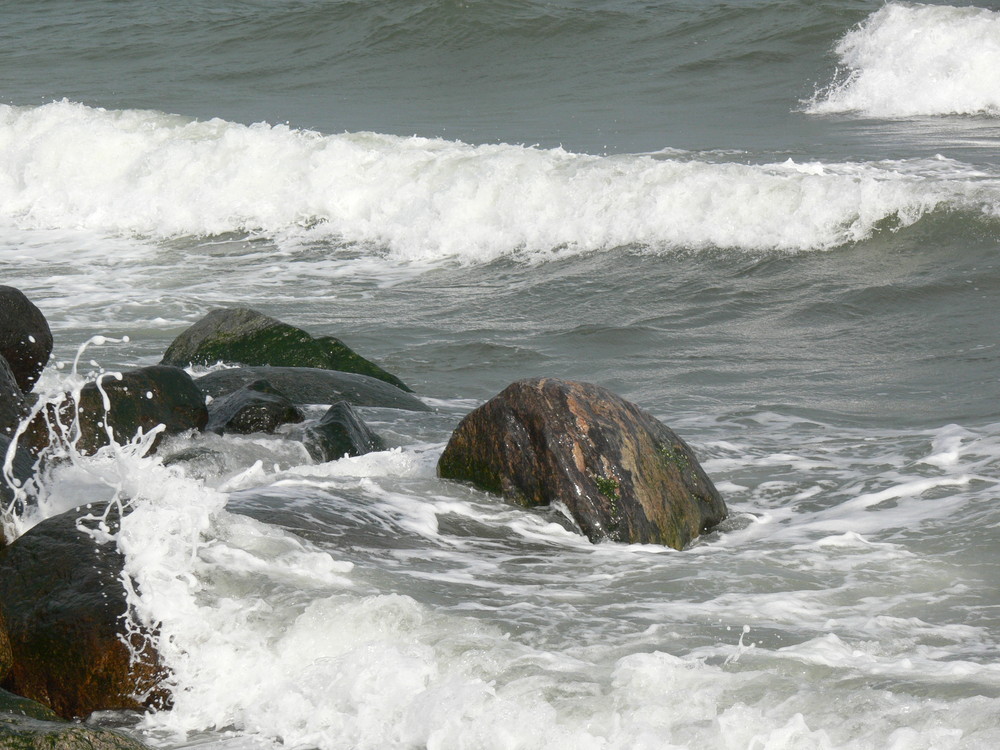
pixel 309 385
pixel 62 600
pixel 145 397
pixel 622 474
pixel 341 432
pixel 12 404
pixel 22 470
pixel 6 657
pixel 238 335
pixel 25 338
pixel 256 407
pixel 27 725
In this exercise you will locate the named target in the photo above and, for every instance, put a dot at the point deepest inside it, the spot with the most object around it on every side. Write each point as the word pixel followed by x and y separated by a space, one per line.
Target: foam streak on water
pixel 910 59
pixel 141 172
pixel 396 611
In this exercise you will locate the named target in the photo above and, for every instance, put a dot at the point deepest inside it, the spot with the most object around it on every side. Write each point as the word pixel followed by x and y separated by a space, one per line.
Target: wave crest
pixel 915 60
pixel 417 199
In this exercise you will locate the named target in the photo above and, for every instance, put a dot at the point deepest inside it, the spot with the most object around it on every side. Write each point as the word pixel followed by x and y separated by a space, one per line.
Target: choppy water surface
pixel 773 225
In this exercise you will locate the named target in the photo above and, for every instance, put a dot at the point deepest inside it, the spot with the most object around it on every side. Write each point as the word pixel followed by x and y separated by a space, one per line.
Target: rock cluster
pixel 63 636
pixel 619 473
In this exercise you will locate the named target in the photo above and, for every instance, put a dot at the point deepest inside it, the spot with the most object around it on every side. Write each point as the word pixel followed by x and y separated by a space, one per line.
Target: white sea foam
pixel 142 173
pixel 482 625
pixel 908 60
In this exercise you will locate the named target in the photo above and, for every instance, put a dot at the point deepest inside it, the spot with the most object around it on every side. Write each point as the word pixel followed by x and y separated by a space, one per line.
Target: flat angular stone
pixel 309 385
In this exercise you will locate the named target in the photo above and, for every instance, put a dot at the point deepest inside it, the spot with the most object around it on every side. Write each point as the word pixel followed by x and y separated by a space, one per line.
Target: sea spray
pixel 908 60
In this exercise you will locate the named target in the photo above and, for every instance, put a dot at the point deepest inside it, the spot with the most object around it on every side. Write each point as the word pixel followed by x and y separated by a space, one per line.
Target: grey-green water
pixel 804 288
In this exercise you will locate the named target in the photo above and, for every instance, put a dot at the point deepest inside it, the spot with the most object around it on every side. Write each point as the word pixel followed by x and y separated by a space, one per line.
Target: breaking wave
pixel 150 174
pixel 910 60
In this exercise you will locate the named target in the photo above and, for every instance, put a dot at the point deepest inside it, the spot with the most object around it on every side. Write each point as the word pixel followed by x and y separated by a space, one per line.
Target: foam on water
pixel 548 641
pixel 909 60
pixel 424 200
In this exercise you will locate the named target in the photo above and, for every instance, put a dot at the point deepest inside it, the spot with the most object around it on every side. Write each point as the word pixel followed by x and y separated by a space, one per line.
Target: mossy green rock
pixel 622 474
pixel 239 335
pixel 27 725
pixel 24 733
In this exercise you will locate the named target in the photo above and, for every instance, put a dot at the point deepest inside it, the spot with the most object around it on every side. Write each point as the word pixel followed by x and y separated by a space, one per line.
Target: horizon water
pixel 774 226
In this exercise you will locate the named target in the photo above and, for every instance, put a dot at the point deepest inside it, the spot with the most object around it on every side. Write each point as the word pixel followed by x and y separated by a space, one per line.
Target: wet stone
pixel 622 474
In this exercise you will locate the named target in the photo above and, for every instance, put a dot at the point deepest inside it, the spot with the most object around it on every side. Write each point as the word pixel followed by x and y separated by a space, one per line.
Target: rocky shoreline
pixel 65 640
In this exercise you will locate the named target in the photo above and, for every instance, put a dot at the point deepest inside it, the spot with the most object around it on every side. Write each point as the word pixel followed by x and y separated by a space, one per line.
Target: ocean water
pixel 774 225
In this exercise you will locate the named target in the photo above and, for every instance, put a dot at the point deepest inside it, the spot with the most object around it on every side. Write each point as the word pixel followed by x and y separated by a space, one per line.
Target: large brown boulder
pixel 622 474
pixel 238 335
pixel 63 600
pixel 25 338
pixel 145 397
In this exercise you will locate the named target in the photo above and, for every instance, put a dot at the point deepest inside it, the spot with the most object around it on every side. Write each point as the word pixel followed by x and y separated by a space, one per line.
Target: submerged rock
pixel 238 335
pixel 622 474
pixel 309 385
pixel 25 338
pixel 341 432
pixel 28 725
pixel 63 602
pixel 145 397
pixel 256 407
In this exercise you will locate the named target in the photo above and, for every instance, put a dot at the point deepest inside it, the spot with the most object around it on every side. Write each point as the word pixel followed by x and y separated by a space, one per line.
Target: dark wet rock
pixel 22 471
pixel 238 335
pixel 25 338
pixel 63 601
pixel 23 464
pixel 256 407
pixel 13 406
pixel 309 385
pixel 6 656
pixel 622 474
pixel 341 432
pixel 143 398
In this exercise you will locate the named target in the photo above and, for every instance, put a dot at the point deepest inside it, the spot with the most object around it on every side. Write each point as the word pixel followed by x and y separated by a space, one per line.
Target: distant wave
pixel 145 173
pixel 910 60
